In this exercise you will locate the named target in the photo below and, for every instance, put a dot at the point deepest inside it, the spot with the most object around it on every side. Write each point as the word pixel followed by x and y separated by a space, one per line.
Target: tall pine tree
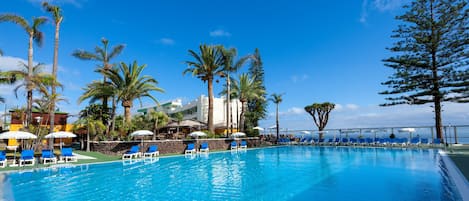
pixel 256 108
pixel 431 55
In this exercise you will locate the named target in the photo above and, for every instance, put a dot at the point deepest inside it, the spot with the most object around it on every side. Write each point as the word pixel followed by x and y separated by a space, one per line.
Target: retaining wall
pixel 167 146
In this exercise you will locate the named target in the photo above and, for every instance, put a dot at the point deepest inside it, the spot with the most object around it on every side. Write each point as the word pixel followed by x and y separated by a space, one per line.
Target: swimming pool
pixel 280 173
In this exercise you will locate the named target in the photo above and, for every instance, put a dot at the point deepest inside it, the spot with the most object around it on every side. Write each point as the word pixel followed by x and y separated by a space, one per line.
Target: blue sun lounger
pixel 3 159
pixel 152 151
pixel 243 145
pixel 190 149
pixel 48 157
pixel 204 147
pixel 234 145
pixel 27 158
pixel 132 153
pixel 67 155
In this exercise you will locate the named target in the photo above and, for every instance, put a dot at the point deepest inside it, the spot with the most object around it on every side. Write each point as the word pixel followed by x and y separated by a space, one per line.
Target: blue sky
pixel 313 51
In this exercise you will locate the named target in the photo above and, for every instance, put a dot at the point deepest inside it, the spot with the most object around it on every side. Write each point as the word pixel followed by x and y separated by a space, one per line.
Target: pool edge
pixel 456 176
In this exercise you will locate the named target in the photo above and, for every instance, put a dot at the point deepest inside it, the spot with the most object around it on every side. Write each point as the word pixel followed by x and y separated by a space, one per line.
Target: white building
pixel 198 110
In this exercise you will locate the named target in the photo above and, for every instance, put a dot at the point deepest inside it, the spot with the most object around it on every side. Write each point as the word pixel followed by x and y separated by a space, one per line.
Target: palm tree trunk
pixel 127 114
pixel 29 104
pixel 228 102
pixel 277 124
pixel 242 118
pixel 113 114
pixel 88 136
pixel 54 74
pixel 210 106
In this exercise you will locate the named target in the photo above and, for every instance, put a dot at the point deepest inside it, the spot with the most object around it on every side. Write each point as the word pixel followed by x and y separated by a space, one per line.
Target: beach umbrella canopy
pixel 141 133
pixel 410 130
pixel 238 134
pixel 60 134
pixel 17 135
pixel 197 134
pixel 258 128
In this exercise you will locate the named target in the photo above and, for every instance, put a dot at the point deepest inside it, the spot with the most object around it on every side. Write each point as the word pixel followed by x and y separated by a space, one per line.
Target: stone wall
pixel 167 146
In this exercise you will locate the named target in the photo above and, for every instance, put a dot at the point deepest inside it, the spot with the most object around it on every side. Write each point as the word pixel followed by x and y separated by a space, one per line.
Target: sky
pixel 313 51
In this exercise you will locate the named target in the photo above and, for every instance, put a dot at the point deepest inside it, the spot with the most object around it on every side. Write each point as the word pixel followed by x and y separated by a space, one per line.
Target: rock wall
pixel 167 146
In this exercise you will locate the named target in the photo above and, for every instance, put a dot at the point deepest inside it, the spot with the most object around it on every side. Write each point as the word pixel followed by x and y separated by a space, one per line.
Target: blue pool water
pixel 282 173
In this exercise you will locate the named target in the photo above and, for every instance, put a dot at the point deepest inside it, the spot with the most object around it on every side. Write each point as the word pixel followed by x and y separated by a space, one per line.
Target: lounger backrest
pixel 27 154
pixel 153 148
pixel 2 156
pixel 234 144
pixel 46 153
pixel 437 141
pixel 67 152
pixel 204 145
pixel 243 143
pixel 190 146
pixel 134 149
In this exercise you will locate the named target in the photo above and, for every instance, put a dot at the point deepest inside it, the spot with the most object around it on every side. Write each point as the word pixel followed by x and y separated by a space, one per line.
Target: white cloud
pixel 364 13
pixel 298 78
pixel 166 41
pixel 386 5
pixel 351 106
pixel 220 33
pixel 8 63
pixel 380 5
pixel 353 116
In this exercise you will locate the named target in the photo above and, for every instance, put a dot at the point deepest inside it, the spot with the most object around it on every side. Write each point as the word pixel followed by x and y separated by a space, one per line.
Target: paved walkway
pixel 79 156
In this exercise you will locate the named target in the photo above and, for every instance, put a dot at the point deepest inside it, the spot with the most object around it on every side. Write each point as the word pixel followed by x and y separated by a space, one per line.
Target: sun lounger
pixel 190 149
pixel 204 147
pixel 3 159
pixel 27 158
pixel 132 153
pixel 152 151
pixel 234 145
pixel 67 155
pixel 243 145
pixel 48 157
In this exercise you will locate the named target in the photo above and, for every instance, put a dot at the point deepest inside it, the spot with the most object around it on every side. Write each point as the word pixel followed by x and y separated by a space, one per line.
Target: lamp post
pixel 38 120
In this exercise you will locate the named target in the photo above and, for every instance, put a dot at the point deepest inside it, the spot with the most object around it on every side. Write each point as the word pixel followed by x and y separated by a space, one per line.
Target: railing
pixel 452 134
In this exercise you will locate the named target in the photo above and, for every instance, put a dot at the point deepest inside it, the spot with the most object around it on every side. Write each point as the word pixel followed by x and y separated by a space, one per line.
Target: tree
pixel 101 54
pixel 431 55
pixel 37 80
pixel 257 108
pixel 320 113
pixel 129 85
pixel 96 91
pixel 159 119
pixel 207 65
pixel 57 15
pixel 246 89
pixel 230 66
pixel 179 117
pixel 277 99
pixel 34 35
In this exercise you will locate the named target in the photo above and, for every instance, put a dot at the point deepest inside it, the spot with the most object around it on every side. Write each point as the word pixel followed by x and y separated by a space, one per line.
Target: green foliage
pixel 257 108
pixel 431 55
pixel 129 84
pixel 95 111
pixel 320 113
pixel 207 66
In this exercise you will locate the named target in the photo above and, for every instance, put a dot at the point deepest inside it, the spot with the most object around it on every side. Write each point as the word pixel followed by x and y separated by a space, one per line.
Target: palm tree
pixel 57 15
pixel 207 65
pixel 129 85
pixel 230 66
pixel 159 119
pixel 101 54
pixel 38 80
pixel 179 117
pixel 277 99
pixel 34 35
pixel 98 91
pixel 246 89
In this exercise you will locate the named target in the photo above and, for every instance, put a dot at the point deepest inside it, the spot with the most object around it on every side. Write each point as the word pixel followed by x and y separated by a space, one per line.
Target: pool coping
pixel 456 176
